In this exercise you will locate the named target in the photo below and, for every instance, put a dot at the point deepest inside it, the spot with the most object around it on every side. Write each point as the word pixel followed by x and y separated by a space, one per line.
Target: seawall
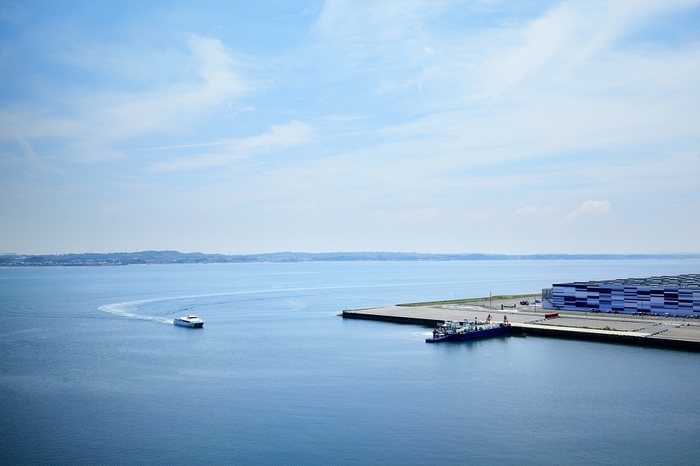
pixel 622 329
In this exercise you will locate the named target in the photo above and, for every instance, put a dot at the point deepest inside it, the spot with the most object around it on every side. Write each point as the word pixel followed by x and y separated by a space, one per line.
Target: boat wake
pixel 129 309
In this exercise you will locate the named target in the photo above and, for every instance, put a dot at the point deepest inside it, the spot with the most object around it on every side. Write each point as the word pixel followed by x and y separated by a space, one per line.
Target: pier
pixel 663 332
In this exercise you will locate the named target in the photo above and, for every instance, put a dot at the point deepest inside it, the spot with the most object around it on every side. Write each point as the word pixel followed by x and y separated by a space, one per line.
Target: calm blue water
pixel 93 372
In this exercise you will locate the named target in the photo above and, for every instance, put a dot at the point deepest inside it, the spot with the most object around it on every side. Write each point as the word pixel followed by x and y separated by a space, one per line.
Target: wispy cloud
pixel 232 150
pixel 569 38
pixel 98 121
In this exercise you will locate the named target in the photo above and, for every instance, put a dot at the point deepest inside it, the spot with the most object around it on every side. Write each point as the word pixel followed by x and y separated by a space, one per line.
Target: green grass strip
pixel 471 300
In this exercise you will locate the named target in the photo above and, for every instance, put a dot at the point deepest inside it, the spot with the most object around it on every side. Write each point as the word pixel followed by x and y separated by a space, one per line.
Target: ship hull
pixel 464 336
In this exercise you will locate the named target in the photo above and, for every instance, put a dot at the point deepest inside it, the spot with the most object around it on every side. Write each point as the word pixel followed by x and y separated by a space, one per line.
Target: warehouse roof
pixel 689 281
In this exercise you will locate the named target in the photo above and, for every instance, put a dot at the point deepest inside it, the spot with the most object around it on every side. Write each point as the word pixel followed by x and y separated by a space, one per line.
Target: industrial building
pixel 673 295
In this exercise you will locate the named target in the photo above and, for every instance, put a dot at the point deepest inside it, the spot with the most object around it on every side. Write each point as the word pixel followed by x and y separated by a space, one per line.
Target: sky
pixel 438 126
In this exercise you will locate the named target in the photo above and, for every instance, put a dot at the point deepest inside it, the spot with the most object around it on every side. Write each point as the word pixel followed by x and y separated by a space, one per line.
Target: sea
pixel 93 372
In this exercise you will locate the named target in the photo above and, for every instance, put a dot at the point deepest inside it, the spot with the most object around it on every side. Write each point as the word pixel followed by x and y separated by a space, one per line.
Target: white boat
pixel 189 321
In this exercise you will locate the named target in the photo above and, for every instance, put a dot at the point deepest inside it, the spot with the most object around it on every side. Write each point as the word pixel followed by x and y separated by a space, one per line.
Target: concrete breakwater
pixel 529 320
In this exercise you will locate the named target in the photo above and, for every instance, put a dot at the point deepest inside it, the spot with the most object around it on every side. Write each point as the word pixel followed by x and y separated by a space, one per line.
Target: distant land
pixel 175 257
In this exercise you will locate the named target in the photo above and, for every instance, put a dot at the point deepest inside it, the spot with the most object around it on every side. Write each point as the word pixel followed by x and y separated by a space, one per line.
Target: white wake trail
pixel 129 309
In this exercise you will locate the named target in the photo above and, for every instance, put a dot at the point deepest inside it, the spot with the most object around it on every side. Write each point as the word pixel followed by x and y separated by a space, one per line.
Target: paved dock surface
pixel 645 330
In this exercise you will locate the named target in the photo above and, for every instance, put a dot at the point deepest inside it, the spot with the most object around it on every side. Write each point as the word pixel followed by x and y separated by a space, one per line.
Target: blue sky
pixel 428 126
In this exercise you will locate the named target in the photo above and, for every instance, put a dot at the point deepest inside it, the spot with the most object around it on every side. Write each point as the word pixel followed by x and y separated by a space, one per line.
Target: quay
pixel 662 332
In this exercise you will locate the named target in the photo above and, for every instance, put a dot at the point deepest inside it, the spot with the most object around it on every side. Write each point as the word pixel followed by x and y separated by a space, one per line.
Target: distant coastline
pixel 175 257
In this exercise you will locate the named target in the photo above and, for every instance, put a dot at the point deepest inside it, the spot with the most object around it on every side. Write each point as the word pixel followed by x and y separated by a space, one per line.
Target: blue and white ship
pixel 468 330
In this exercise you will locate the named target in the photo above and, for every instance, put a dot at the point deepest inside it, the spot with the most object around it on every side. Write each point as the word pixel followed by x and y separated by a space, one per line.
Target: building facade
pixel 673 295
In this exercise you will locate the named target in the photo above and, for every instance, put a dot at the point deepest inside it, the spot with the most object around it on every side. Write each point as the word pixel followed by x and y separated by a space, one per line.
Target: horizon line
pixel 358 253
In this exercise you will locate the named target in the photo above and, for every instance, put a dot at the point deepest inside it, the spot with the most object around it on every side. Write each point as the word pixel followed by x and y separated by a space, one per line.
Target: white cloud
pixel 284 136
pixel 97 121
pixel 232 150
pixel 125 116
pixel 390 41
pixel 590 208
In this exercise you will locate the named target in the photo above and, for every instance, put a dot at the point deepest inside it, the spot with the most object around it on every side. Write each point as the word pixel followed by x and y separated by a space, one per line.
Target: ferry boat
pixel 468 330
pixel 189 321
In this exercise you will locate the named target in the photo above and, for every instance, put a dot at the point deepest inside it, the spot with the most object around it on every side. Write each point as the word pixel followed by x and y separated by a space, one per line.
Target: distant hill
pixel 175 257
